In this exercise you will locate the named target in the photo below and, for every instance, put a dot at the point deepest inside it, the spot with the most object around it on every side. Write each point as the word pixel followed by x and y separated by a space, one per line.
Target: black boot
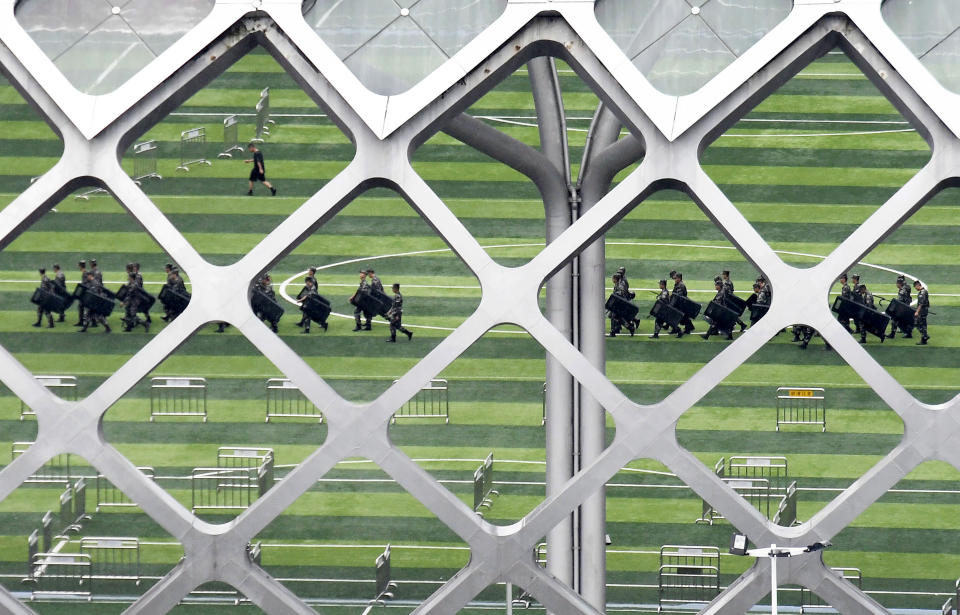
pixel 37 324
pixel 367 327
pixel 221 327
pixel 391 340
pixel 106 328
pixel 409 334
pixel 324 325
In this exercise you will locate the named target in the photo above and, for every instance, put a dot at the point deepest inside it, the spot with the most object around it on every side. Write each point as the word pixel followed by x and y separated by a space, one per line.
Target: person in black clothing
pixel 259 170
pixel 47 286
pixel 60 281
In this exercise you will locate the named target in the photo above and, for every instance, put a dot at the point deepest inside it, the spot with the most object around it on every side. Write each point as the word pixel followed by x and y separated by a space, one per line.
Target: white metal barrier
pixel 180 396
pixel 63 386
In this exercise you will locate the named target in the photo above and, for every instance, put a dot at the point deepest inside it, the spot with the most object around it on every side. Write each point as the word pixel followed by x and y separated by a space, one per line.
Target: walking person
pixel 395 315
pixel 259 171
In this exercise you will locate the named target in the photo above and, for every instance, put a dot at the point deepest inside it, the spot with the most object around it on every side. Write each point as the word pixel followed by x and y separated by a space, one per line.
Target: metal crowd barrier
pixel 109 496
pixel 688 576
pixel 182 396
pixel 707 512
pixel 787 511
pixel 145 161
pixel 285 400
pixel 113 558
pixel 263 116
pixel 61 574
pixel 193 148
pixel 54 471
pixel 432 401
pixel 63 386
pixel 221 489
pixel 801 406
pixel 231 137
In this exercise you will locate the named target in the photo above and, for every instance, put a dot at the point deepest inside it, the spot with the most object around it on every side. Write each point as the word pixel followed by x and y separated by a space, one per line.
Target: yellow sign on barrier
pixel 800 393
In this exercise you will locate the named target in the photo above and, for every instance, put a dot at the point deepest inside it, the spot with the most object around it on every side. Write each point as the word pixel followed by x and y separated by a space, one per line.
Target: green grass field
pixel 806 167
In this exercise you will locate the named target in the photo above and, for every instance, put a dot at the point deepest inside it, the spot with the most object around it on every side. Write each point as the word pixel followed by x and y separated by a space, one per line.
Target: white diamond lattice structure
pixel 385 129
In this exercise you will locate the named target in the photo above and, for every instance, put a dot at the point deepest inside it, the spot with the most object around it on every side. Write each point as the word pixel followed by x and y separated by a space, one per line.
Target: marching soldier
pixel 375 283
pixel 60 281
pixel 93 319
pixel 625 283
pixel 82 266
pixel 866 298
pixel 858 298
pixel 615 321
pixel 97 274
pixel 720 298
pixel 903 295
pixel 728 287
pixel 395 316
pixel 920 316
pixel 309 289
pixel 266 287
pixel 47 286
pixel 131 304
pixel 362 289
pixel 679 288
pixel 144 306
pixel 847 294
pixel 663 295
pixel 762 299
pixel 175 283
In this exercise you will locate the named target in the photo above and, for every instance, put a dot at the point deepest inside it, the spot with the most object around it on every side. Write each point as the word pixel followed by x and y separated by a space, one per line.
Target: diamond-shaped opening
pixel 73 536
pixel 930 34
pixel 392 45
pixel 479 427
pixel 816 158
pixel 193 162
pixel 218 422
pixel 472 164
pixel 923 249
pixel 327 544
pixel 665 236
pixel 655 534
pixel 99 45
pixel 378 231
pixel 66 348
pixel 790 415
pixel 680 45
pixel 901 545
pixel 29 147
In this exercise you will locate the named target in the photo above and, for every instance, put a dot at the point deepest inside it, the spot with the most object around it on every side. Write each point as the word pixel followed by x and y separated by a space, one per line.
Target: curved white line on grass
pixel 288 281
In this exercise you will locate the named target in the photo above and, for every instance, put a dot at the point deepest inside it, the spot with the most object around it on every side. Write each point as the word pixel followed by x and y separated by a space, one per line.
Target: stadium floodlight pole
pixel 738 546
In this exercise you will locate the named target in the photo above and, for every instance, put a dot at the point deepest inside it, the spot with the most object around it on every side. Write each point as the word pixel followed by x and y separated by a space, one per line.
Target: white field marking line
pixel 923 491
pixel 818 134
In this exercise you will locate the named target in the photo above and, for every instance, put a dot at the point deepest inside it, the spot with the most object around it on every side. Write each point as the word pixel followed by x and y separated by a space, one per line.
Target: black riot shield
pixel 690 308
pixel 664 312
pixel 61 291
pixel 122 292
pixel 900 313
pixel 317 308
pixel 736 304
pixel 173 301
pixel 622 308
pixel 375 302
pixel 263 304
pixel 758 311
pixel 146 301
pixel 845 308
pixel 48 301
pixel 875 322
pixel 101 305
pixel 723 317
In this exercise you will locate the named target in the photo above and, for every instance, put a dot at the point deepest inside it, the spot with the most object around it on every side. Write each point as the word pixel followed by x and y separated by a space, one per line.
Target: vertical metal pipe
pixel 551 120
pixel 595 182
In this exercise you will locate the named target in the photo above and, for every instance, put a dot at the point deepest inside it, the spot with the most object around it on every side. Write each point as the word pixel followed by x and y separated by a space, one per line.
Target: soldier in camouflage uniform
pixel 309 289
pixel 93 319
pixel 615 321
pixel 719 298
pixel 82 266
pixel 845 293
pixel 866 298
pixel 903 296
pixel 131 304
pixel 362 289
pixel 858 298
pixel 728 287
pixel 395 316
pixel 144 306
pixel 679 288
pixel 663 295
pixel 920 316
pixel 47 286
pixel 60 282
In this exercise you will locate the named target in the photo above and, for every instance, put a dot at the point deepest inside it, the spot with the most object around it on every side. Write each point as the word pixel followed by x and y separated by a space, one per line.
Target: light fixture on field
pixel 738 546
